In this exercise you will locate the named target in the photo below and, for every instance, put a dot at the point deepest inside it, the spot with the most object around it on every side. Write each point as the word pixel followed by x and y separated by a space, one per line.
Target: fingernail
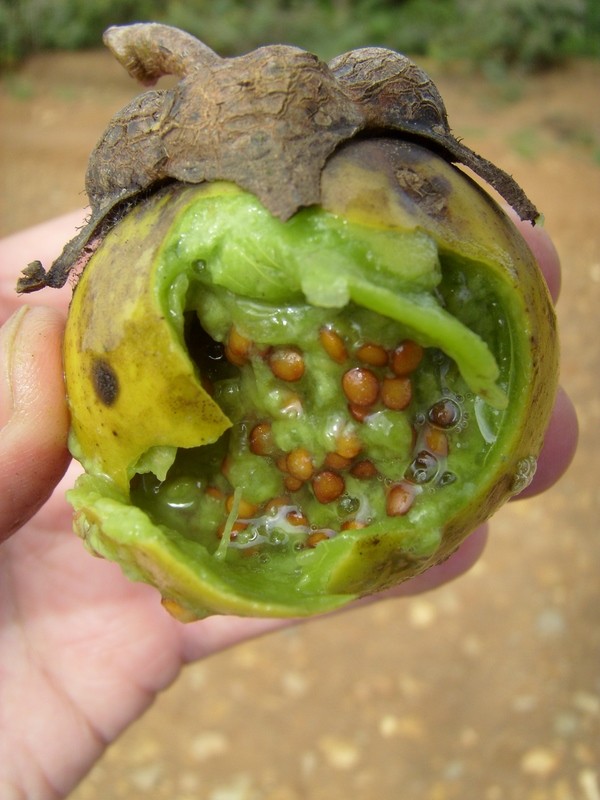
pixel 8 347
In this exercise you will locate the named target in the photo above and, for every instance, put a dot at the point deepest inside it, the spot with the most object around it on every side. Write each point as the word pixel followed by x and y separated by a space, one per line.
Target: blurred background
pixel 488 688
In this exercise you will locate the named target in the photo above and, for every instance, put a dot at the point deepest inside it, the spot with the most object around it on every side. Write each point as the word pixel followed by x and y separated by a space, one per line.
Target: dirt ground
pixel 487 689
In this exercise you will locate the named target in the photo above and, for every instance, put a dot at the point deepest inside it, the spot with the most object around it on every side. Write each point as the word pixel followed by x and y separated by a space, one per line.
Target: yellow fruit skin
pixel 117 327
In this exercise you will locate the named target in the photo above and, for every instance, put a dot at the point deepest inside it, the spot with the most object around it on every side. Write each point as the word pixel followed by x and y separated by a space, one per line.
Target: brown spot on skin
pixel 430 195
pixel 105 382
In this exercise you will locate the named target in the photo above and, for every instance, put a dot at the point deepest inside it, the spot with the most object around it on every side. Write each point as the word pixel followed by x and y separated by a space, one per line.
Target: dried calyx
pixel 238 119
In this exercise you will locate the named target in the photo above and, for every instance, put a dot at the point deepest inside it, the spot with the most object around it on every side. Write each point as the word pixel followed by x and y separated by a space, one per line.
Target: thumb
pixel 34 420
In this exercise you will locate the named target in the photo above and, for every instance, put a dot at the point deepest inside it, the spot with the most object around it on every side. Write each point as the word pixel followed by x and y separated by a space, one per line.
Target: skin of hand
pixel 83 651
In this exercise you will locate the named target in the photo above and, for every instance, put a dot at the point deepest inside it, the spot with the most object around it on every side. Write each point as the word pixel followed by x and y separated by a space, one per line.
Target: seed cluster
pixel 372 378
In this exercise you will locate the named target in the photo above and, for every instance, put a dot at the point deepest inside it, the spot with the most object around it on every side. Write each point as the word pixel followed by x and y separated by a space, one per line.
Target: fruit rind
pixel 467 228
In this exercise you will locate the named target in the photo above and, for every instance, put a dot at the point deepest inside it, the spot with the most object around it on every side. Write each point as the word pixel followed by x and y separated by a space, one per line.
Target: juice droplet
pixel 526 468
pixel 423 469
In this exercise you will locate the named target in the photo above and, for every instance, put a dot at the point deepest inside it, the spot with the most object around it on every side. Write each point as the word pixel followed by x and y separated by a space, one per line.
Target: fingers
pixel 559 447
pixel 43 243
pixel 33 414
pixel 544 252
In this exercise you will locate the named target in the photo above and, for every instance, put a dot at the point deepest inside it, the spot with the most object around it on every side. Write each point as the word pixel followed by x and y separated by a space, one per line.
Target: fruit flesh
pixel 412 489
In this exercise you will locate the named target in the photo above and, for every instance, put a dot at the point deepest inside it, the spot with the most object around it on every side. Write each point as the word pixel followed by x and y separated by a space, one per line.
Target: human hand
pixel 83 651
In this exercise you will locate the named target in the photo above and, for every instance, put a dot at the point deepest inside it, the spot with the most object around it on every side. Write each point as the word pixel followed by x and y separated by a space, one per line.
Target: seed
pixel 347 443
pixel 313 539
pixel 373 354
pixel 286 363
pixel 275 503
pixel 336 461
pixel 360 386
pixel 359 413
pixel 237 527
pixel 406 358
pixel 352 525
pixel 237 348
pixel 396 393
pixel 423 468
pixel 297 518
pixel 291 404
pixel 292 484
pixel 300 464
pixel 436 440
pixel 364 469
pixel 333 344
pixel 399 500
pixel 261 439
pixel 328 486
pixel 445 413
pixel 245 508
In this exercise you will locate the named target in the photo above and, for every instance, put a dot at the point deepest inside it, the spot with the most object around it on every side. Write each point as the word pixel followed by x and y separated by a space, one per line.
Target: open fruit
pixel 280 412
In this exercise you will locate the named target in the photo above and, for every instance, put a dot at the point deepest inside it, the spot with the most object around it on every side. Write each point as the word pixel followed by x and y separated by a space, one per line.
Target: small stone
pixel 588 781
pixel 339 753
pixel 388 726
pixel 421 614
pixel 539 762
pixel 208 744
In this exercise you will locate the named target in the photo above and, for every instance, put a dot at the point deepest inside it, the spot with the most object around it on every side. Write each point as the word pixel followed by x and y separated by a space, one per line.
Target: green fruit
pixel 403 247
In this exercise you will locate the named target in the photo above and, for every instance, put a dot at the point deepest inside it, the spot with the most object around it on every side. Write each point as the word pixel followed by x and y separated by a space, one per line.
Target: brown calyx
pixel 267 121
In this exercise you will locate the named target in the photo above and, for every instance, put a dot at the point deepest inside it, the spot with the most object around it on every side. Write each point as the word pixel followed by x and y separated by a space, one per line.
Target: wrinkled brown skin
pixel 267 121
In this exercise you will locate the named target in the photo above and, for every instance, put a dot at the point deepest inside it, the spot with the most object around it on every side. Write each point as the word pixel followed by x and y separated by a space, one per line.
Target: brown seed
pixel 245 508
pixel 236 528
pixel 297 518
pixel 347 443
pixel 373 354
pixel 300 464
pixel 333 344
pixel 291 403
pixel 399 500
pixel 445 413
pixel 286 363
pixel 364 469
pixel 436 441
pixel 359 413
pixel 237 347
pixel 360 386
pixel 406 358
pixel 261 440
pixel 313 539
pixel 353 525
pixel 275 503
pixel 328 486
pixel 292 484
pixel 336 461
pixel 396 393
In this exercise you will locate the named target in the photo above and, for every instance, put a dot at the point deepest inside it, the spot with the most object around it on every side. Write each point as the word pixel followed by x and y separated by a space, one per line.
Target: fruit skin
pixel 378 182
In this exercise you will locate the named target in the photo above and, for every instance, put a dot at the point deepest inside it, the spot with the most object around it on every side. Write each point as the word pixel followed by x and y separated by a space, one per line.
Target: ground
pixel 487 689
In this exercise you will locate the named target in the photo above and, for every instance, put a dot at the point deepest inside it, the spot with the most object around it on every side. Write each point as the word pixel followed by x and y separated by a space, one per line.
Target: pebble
pixel 339 753
pixel 421 613
pixel 539 762
pixel 208 745
pixel 588 781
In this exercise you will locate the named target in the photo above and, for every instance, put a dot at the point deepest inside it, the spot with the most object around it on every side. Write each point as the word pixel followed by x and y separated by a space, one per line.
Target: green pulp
pixel 217 273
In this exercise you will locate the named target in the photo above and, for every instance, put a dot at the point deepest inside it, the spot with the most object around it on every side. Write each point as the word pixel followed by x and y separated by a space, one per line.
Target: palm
pixel 96 647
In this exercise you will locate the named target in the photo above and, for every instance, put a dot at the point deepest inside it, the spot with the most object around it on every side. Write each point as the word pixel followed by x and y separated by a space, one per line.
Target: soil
pixel 486 689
